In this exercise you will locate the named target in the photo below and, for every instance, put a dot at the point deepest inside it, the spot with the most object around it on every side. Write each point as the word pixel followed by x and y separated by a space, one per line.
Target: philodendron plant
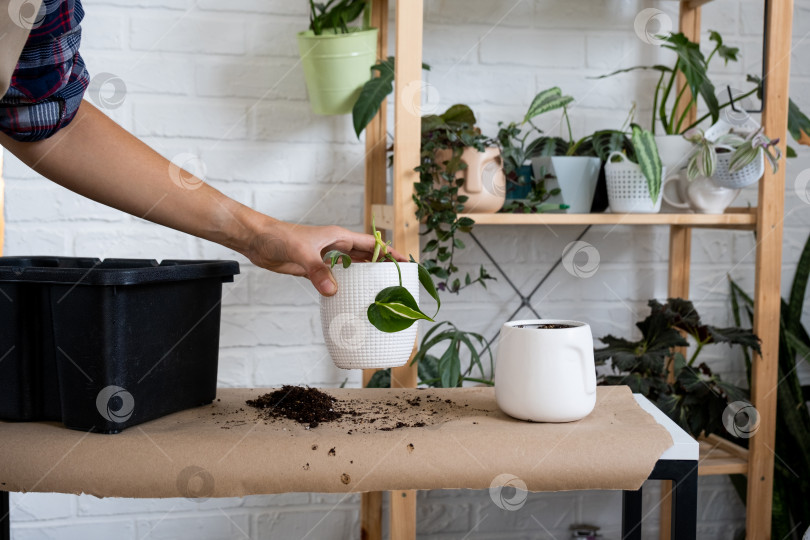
pixel 394 308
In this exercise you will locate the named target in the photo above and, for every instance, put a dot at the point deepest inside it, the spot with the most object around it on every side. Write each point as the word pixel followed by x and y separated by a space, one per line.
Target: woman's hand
pixel 299 249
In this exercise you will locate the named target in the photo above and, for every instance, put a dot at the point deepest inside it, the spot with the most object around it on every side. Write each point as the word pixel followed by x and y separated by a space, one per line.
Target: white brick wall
pixel 220 79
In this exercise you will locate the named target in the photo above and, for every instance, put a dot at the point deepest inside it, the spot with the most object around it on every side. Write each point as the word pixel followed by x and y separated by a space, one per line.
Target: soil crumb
pixel 300 403
pixel 345 478
pixel 331 452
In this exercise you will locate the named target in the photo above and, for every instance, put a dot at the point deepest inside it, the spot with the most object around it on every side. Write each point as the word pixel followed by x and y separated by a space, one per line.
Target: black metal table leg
pixel 631 515
pixel 5 519
pixel 684 476
pixel 684 506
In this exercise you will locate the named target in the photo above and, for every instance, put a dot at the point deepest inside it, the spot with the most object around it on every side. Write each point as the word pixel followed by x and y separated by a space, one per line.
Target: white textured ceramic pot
pixel 545 374
pixel 352 341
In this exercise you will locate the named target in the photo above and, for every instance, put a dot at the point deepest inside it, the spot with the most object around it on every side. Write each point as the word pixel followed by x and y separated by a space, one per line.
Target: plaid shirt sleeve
pixel 50 78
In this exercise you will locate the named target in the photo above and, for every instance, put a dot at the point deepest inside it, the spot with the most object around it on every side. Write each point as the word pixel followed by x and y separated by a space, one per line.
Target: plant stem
pixel 655 100
pixel 696 353
pixel 568 122
pixel 678 100
pixel 720 108
pixel 662 111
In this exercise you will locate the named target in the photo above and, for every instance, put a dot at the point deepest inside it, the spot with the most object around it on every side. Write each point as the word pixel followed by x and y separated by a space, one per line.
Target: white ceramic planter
pixel 674 152
pixel 577 177
pixel 545 375
pixel 352 341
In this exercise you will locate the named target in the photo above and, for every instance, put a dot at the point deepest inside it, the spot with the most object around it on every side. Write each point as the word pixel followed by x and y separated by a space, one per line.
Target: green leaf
pixel 373 93
pixel 647 157
pixel 798 123
pixel 734 336
pixel 545 101
pixel 459 113
pixel 334 256
pixel 429 286
pixel 692 64
pixel 394 309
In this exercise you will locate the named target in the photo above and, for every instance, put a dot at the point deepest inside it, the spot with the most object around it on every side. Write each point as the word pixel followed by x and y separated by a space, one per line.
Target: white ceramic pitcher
pixel 545 374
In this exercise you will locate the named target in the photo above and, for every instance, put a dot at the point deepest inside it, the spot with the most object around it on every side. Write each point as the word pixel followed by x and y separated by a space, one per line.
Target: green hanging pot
pixel 336 66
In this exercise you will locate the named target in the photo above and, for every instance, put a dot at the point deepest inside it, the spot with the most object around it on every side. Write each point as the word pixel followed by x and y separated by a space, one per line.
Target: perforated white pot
pixel 627 187
pixel 352 341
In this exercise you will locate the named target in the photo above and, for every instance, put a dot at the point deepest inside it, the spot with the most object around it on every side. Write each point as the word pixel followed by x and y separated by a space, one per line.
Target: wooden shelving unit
pixel 717 456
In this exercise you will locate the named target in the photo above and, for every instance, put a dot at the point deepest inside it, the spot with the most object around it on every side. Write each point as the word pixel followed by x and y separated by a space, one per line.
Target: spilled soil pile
pixel 300 403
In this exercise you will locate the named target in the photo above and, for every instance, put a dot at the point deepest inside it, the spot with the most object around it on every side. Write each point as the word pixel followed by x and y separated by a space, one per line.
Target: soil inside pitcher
pixel 549 326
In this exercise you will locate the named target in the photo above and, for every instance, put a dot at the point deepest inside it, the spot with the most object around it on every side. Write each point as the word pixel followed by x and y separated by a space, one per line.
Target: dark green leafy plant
pixel 443 368
pixel 373 93
pixel 437 197
pixel 697 397
pixel 791 488
pixel 394 308
pixel 336 15
pixel 694 67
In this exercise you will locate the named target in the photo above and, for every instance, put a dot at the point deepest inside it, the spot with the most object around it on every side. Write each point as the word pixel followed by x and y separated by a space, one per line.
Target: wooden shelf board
pixel 733 218
pixel 719 456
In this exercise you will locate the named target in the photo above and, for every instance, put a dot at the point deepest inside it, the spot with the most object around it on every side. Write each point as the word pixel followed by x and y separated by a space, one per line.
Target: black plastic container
pixel 104 345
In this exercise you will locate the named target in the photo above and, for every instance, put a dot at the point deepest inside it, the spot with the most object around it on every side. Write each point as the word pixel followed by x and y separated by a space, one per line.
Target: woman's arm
pixel 95 157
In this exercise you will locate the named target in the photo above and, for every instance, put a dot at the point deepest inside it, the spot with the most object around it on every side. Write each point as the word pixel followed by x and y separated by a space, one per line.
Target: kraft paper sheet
pixel 225 449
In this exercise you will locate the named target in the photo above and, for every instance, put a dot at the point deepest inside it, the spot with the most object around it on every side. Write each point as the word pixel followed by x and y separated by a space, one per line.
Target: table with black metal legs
pixel 678 463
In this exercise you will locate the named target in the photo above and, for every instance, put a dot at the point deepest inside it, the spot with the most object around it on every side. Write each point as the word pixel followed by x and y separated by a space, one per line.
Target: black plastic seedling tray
pixel 104 345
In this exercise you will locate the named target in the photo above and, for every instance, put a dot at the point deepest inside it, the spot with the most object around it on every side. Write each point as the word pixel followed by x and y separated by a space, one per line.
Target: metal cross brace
pixel 525 299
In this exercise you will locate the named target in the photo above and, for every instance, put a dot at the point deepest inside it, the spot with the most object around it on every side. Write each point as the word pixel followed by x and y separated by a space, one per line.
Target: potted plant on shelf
pixel 369 322
pixel 696 397
pixel 732 160
pixel 460 170
pixel 337 57
pixel 670 107
pixel 634 178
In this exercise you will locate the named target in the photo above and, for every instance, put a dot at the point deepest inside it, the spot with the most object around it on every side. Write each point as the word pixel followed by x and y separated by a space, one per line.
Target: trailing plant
pixel 373 93
pixel 394 308
pixel 744 150
pixel 437 197
pixel 443 369
pixel 336 15
pixel 697 397
pixel 791 487
pixel 693 66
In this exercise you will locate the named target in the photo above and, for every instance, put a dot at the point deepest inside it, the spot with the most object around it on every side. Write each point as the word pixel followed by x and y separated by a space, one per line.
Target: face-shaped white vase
pixel 545 375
